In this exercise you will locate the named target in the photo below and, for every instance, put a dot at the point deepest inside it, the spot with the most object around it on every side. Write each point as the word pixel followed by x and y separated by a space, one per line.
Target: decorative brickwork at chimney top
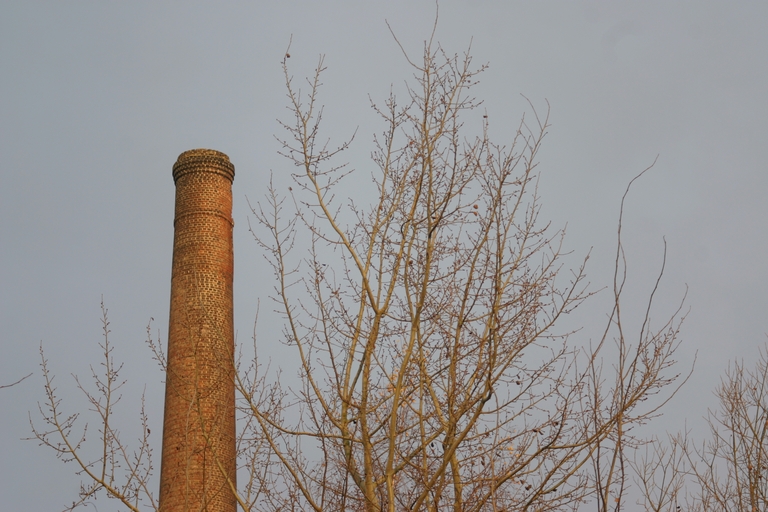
pixel 199 446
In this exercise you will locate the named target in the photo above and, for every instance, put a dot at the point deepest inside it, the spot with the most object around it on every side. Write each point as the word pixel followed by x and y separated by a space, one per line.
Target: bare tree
pixel 432 376
pixel 431 371
pixel 108 466
pixel 731 468
pixel 641 371
pixel 661 475
pixel 726 471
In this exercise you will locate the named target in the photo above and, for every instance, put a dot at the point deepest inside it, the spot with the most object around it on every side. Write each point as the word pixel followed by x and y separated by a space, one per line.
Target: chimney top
pixel 203 160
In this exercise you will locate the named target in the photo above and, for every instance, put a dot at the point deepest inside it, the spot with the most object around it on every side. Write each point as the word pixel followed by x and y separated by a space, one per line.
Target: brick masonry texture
pixel 199 445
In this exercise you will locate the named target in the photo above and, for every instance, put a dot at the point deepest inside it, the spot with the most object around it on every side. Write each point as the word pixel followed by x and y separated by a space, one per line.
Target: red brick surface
pixel 199 425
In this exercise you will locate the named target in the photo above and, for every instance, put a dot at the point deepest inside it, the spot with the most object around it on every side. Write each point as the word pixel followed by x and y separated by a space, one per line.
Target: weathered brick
pixel 199 421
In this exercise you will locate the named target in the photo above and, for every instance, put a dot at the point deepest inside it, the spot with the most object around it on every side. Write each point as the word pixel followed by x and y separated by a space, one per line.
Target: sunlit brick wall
pixel 199 423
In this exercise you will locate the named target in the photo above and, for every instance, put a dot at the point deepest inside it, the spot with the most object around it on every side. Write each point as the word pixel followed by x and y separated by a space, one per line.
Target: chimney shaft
pixel 199 448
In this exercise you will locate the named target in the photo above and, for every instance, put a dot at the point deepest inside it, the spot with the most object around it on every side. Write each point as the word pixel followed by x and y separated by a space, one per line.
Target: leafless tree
pixel 727 470
pixel 432 376
pixel 107 466
pixel 642 383
pixel 660 471
pixel 431 371
pixel 731 467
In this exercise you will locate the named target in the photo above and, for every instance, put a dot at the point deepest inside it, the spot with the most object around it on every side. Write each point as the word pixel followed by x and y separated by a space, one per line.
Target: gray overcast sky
pixel 97 99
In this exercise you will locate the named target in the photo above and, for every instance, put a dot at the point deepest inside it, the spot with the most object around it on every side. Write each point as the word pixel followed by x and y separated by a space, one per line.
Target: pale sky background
pixel 97 99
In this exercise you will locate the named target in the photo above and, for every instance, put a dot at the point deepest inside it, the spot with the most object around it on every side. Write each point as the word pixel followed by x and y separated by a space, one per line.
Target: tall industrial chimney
pixel 199 447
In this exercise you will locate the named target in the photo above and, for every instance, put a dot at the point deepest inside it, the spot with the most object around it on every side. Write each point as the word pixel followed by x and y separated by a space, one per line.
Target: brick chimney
pixel 199 448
